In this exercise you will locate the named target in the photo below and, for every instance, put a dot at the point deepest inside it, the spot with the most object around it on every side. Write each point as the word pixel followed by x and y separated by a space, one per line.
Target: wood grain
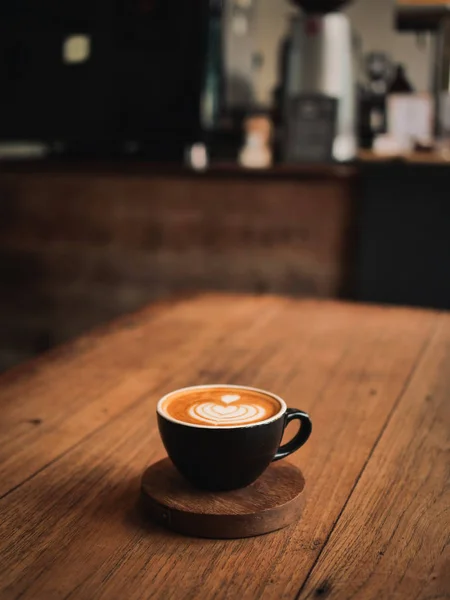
pixel 43 415
pixel 394 534
pixel 69 527
pixel 274 501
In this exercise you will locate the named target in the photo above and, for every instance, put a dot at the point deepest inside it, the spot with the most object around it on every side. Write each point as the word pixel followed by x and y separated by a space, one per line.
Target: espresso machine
pixel 320 85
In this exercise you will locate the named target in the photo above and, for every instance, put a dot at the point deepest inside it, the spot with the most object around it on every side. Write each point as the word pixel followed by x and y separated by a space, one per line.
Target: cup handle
pixel 301 436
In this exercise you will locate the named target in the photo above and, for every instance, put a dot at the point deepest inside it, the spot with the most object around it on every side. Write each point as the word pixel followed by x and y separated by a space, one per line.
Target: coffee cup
pixel 223 437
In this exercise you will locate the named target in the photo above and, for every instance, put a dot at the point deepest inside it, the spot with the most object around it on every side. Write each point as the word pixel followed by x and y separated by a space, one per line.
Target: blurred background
pixel 156 147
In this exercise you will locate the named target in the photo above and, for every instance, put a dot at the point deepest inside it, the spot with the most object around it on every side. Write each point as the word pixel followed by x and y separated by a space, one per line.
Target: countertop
pixel 122 167
pixel 78 428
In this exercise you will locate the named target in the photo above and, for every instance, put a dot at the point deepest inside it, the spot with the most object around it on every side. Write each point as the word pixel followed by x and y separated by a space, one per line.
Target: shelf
pixel 420 17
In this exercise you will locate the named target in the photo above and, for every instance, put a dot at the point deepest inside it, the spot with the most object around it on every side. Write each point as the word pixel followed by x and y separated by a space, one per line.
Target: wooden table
pixel 78 428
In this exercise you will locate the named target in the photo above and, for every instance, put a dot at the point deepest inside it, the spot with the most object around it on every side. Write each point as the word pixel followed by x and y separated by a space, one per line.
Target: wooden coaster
pixel 274 501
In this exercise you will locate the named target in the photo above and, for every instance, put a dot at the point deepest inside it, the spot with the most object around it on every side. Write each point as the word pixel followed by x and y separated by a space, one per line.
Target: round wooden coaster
pixel 274 501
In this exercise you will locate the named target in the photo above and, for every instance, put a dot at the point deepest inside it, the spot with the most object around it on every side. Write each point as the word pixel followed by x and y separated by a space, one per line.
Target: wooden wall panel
pixel 77 249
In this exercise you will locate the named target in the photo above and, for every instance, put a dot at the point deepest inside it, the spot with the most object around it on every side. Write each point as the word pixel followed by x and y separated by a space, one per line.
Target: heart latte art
pixel 221 406
pixel 210 412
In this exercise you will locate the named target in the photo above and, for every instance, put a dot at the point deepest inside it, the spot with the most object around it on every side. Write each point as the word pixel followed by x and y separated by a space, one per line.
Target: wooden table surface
pixel 78 428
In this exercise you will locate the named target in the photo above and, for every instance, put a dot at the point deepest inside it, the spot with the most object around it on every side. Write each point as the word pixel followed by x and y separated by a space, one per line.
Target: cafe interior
pixel 224 238
pixel 151 149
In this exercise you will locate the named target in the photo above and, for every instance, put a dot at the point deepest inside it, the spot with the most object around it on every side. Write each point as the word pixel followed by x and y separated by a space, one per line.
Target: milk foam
pixel 225 413
pixel 220 406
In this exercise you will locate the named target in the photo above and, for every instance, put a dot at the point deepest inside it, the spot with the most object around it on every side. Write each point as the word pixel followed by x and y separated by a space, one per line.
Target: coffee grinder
pixel 320 87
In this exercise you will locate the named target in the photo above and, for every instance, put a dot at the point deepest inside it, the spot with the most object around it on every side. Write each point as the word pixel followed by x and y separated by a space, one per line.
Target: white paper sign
pixel 410 117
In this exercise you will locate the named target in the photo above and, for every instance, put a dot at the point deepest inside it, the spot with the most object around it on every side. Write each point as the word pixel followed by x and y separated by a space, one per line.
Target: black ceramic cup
pixel 227 458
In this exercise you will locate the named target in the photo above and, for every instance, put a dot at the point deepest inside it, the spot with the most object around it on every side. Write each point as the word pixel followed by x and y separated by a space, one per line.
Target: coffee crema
pixel 220 406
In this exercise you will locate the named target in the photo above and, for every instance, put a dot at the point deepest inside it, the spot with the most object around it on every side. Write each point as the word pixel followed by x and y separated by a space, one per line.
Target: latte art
pixel 226 414
pixel 220 406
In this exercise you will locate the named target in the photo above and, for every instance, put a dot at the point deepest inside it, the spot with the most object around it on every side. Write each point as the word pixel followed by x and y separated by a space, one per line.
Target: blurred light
pixel 76 49
pixel 197 157
pixel 240 25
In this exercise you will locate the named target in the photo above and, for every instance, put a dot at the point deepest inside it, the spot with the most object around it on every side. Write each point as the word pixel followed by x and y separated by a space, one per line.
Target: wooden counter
pixel 78 428
pixel 81 243
pixel 417 158
pixel 122 167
